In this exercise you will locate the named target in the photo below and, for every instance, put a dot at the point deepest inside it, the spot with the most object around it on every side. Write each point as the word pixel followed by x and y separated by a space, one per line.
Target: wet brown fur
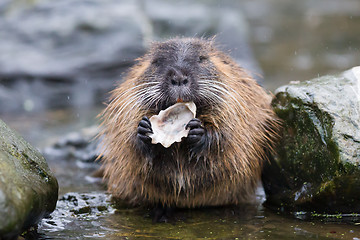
pixel 227 172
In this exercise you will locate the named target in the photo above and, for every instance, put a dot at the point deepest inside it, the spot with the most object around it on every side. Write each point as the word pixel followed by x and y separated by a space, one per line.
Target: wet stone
pixel 74 208
pixel 28 189
pixel 317 166
pixel 82 146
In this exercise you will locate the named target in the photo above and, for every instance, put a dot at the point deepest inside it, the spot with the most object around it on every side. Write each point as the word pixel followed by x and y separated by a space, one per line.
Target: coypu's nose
pixel 177 78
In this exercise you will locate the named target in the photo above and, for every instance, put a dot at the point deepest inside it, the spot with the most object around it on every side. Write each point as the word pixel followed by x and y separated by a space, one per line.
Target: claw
pixel 143 129
pixel 145 122
pixel 194 123
pixel 196 131
pixel 144 138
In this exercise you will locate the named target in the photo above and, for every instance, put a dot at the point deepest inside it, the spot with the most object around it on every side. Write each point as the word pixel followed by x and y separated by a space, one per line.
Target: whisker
pixel 223 88
pixel 132 93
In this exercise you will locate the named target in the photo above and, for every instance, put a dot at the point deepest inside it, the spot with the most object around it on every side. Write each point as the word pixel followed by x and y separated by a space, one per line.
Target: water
pixel 249 222
pixel 292 41
pixel 202 224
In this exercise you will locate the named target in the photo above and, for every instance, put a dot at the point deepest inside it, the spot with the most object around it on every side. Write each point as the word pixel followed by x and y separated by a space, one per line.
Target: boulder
pixel 70 53
pixel 317 165
pixel 28 190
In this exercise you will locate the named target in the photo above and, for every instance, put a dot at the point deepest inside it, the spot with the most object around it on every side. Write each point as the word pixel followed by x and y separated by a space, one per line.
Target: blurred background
pixel 58 59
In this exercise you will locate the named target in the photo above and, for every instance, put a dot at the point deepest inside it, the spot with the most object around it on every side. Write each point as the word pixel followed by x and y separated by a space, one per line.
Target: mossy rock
pixel 28 189
pixel 317 163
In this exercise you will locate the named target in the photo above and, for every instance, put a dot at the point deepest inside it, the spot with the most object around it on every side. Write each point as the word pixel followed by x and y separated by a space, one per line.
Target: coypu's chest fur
pixel 220 161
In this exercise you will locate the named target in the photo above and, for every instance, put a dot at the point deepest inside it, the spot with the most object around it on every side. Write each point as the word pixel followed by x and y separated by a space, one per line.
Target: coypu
pixel 219 162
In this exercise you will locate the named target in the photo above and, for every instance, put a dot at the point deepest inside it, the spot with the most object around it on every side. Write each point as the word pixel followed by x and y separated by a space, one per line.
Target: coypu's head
pixel 180 70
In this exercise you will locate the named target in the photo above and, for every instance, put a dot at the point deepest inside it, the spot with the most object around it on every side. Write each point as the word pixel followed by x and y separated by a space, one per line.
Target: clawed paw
pixel 144 128
pixel 197 131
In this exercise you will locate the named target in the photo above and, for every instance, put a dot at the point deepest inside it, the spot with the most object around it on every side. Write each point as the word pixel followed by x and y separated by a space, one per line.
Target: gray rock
pixel 317 167
pixel 77 212
pixel 82 145
pixel 65 52
pixel 28 190
pixel 70 53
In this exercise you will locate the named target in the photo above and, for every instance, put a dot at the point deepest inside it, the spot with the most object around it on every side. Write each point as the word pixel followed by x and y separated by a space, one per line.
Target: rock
pixel 69 53
pixel 317 166
pixel 28 190
pixel 77 210
pixel 82 145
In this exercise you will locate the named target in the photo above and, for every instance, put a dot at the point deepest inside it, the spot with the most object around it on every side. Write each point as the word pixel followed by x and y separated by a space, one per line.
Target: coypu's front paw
pixel 143 129
pixel 196 135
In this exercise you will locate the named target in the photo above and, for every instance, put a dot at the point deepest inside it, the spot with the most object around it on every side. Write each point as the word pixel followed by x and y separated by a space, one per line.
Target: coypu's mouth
pixel 169 103
pixel 199 106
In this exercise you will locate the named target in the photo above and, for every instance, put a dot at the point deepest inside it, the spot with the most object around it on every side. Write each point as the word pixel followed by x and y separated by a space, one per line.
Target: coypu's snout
pixel 177 78
pixel 179 84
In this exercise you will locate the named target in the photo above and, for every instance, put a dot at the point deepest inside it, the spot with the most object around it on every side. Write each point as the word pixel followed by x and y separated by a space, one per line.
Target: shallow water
pixel 94 216
pixel 292 41
pixel 248 222
pixel 203 223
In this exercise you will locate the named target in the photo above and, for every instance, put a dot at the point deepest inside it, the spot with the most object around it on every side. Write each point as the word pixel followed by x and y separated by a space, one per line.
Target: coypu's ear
pixel 222 63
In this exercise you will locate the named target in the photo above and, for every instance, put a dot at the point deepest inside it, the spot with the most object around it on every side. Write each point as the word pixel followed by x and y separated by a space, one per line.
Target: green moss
pixel 82 210
pixel 307 150
pixel 102 208
pixel 317 162
pixel 28 189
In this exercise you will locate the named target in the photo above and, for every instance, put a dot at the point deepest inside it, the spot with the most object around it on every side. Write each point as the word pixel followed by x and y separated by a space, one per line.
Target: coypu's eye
pixel 156 61
pixel 202 58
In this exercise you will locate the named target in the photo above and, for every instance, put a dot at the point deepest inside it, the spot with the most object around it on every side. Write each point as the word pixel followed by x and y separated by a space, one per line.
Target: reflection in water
pixel 249 222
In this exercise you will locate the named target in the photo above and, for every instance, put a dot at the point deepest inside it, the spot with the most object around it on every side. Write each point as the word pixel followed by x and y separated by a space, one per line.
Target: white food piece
pixel 169 125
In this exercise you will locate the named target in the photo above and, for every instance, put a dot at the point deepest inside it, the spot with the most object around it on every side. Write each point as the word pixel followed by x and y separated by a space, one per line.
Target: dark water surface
pixel 292 40
pixel 219 223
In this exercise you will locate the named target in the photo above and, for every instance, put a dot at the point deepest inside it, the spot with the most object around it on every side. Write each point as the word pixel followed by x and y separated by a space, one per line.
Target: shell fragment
pixel 169 125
